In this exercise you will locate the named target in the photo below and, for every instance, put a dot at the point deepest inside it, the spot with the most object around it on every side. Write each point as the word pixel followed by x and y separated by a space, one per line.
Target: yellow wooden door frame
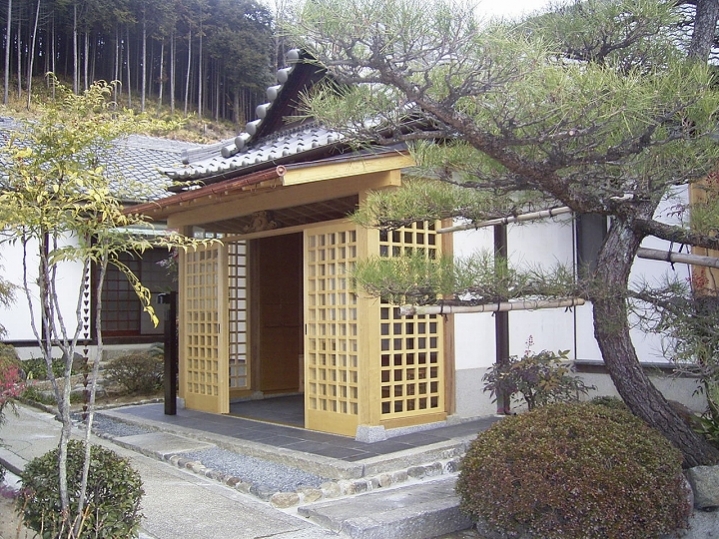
pixel 204 364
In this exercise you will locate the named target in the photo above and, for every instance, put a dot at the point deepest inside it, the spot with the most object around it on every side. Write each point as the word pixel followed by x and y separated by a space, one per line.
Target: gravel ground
pixel 112 427
pixel 265 475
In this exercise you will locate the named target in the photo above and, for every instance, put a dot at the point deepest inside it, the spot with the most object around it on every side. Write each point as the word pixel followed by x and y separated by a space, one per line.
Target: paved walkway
pixel 178 503
pixel 298 439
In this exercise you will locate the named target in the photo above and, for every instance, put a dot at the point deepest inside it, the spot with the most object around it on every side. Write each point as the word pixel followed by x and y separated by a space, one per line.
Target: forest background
pixel 212 58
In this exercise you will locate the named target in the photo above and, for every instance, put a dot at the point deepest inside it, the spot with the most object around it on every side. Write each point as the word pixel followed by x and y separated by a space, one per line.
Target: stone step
pixel 416 511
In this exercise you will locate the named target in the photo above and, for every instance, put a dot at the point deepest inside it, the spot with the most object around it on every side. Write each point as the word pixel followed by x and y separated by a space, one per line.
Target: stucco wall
pixel 546 244
pixel 17 317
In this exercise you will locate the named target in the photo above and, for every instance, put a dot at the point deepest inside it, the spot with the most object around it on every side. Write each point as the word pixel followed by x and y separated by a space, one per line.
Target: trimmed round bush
pixel 112 500
pixel 574 471
pixel 139 372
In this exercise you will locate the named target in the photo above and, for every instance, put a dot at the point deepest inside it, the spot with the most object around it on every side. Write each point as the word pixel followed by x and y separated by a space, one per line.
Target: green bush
pixel 139 372
pixel 36 368
pixel 539 377
pixel 574 470
pixel 112 502
pixel 610 402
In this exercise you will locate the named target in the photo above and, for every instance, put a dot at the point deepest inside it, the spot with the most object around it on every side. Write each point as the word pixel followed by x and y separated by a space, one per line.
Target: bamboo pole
pixel 543 214
pixel 522 305
pixel 681 258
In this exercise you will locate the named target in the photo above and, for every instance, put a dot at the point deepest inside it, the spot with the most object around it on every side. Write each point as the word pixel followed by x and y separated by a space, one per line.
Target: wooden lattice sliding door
pixel 204 365
pixel 411 348
pixel 239 369
pixel 332 348
pixel 364 363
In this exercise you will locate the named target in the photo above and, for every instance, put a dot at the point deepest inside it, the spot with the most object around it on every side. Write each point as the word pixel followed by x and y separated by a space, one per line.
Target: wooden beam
pixel 681 258
pixel 296 175
pixel 522 305
pixel 237 205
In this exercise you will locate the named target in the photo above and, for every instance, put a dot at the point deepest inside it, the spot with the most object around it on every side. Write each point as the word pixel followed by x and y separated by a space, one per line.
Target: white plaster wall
pixel 16 318
pixel 548 243
pixel 673 388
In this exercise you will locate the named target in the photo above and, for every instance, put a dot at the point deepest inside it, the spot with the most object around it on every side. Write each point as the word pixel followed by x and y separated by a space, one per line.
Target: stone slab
pixel 416 511
pixel 11 461
pixel 160 444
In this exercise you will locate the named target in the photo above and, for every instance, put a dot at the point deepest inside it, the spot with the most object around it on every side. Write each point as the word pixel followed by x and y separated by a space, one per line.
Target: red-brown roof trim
pixel 221 188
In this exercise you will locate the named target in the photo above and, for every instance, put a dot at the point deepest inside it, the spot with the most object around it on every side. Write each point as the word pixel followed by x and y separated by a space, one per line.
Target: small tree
pixel 58 204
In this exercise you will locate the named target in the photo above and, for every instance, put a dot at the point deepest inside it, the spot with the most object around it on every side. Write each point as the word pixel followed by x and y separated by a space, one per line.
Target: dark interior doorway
pixel 277 314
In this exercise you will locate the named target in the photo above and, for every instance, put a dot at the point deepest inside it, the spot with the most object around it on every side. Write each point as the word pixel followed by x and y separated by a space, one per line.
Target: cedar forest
pixel 213 58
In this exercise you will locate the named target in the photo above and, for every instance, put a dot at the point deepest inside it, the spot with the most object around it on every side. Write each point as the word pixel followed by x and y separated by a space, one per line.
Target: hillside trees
pixel 143 44
pixel 595 105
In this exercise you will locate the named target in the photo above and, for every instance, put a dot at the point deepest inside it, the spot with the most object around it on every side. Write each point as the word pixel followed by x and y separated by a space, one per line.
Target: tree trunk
pixel 75 60
pixel 127 56
pixel 611 329
pixel 705 22
pixel 189 64
pixel 31 60
pixel 19 57
pixel 144 61
pixel 173 46
pixel 199 77
pixel 162 74
pixel 52 48
pixel 7 52
pixel 86 59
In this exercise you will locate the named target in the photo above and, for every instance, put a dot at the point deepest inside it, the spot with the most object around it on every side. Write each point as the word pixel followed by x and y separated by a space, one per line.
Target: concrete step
pixel 416 511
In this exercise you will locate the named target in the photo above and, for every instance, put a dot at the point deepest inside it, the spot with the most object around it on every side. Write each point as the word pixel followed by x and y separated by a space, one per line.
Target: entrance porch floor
pixel 289 438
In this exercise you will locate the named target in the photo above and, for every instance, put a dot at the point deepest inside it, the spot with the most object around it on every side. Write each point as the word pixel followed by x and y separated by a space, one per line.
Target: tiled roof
pixel 271 150
pixel 132 165
pixel 246 152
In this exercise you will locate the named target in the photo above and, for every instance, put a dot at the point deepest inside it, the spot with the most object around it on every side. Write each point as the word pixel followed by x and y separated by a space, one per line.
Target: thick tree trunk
pixel 611 329
pixel 705 22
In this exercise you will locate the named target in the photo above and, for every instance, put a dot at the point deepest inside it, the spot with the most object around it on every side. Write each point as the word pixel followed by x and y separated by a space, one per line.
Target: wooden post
pixel 501 318
pixel 171 357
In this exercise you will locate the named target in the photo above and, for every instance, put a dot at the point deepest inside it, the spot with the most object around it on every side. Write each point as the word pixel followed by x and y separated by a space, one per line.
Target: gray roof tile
pixel 284 144
pixel 132 164
pixel 244 151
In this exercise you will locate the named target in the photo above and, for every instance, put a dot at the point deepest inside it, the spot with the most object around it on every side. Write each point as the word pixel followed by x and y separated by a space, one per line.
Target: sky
pixel 510 8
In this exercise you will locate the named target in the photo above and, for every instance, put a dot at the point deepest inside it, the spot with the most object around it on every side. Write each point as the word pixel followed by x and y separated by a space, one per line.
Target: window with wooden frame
pixel 122 311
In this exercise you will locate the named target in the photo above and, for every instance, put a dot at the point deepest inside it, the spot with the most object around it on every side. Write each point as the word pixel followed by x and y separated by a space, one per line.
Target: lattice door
pixel 332 334
pixel 411 348
pixel 203 316
pixel 239 368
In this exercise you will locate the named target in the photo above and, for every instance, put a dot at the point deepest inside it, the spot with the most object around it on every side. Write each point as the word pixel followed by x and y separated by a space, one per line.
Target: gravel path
pixel 265 477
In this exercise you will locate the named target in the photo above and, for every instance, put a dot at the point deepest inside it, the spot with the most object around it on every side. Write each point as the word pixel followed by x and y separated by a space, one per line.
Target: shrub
pixel 610 402
pixel 36 368
pixel 113 496
pixel 11 378
pixel 574 471
pixel 139 372
pixel 541 378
